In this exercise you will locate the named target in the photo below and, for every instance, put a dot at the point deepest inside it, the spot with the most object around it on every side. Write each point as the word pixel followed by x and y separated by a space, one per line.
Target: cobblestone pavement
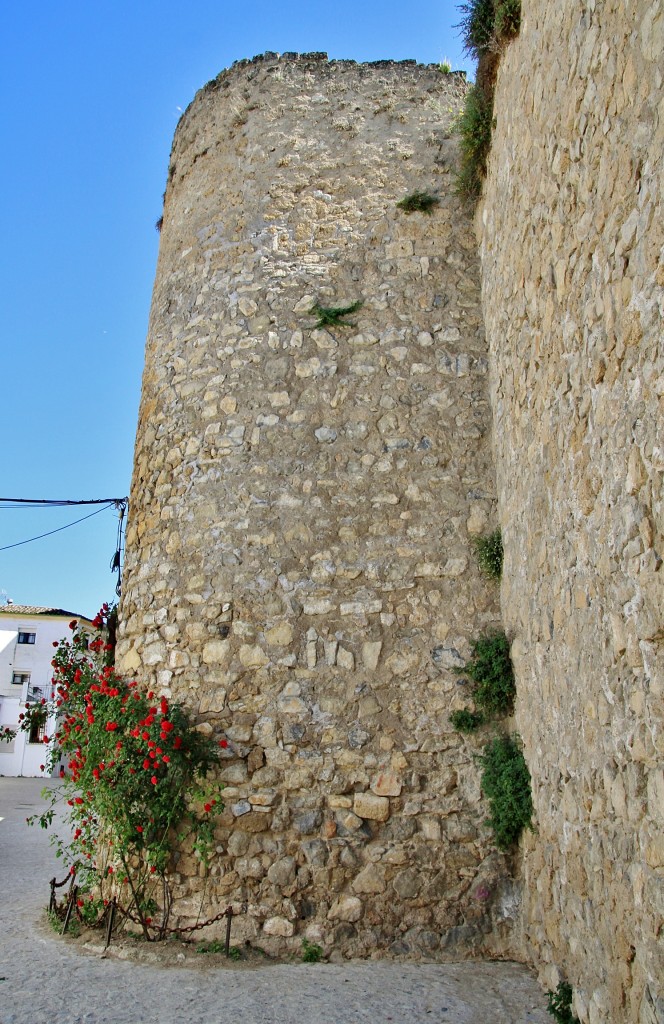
pixel 43 980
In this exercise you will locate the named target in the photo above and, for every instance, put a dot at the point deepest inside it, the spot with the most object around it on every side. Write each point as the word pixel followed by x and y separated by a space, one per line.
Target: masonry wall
pixel 573 289
pixel 299 564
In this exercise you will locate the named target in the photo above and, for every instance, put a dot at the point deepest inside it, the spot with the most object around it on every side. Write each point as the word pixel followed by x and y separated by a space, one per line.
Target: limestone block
pixel 370 880
pixel 368 805
pixel 280 635
pixel 255 821
pixel 371 653
pixel 317 606
pixel 252 656
pixel 131 661
pixel 386 784
pixel 240 808
pixel 282 872
pixel 217 652
pixel 154 654
pixel 279 926
pixel 346 908
pixel 407 884
pixel 345 659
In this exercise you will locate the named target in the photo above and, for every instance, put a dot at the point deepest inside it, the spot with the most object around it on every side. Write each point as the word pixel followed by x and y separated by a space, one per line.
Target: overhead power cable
pixel 118 503
pixel 59 530
pixel 55 503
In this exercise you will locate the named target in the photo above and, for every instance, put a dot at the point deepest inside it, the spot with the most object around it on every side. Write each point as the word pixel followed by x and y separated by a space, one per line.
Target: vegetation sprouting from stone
pixel 477 26
pixel 490 668
pixel 418 202
pixel 445 67
pixel 474 126
pixel 486 23
pixel 506 784
pixel 560 1004
pixel 489 554
pixel 508 19
pixel 333 316
pixel 466 720
pixel 311 952
pixel 486 26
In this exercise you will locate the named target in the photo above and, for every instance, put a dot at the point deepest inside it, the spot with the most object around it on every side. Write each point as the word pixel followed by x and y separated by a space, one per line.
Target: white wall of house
pixel 27 635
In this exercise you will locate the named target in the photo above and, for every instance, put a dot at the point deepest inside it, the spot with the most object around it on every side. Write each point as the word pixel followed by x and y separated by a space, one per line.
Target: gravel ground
pixel 45 980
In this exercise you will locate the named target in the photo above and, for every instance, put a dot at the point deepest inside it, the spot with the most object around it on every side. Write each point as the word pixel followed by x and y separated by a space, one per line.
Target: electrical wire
pixel 57 503
pixel 59 530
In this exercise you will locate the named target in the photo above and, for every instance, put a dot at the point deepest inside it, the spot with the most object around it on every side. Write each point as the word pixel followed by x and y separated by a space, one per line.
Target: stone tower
pixel 299 555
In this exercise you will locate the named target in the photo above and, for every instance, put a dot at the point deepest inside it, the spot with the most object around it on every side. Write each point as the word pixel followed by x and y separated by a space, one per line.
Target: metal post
pixel 70 907
pixel 110 922
pixel 229 919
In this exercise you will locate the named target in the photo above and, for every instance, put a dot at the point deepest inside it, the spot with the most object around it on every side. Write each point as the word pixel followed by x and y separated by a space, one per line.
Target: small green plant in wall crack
pixel 490 668
pixel 489 554
pixel 334 316
pixel 560 1004
pixel 486 24
pixel 474 126
pixel 506 784
pixel 311 952
pixel 419 202
pixel 508 19
pixel 466 720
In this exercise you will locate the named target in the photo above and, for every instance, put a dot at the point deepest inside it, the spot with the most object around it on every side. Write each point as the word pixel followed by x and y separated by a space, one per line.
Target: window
pixel 26 638
pixel 37 730
pixel 18 678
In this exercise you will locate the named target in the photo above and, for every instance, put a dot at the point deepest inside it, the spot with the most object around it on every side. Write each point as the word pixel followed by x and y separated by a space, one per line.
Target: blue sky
pixel 91 96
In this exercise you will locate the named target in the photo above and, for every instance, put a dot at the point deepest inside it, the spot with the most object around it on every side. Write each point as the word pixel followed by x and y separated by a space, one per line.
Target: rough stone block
pixel 367 805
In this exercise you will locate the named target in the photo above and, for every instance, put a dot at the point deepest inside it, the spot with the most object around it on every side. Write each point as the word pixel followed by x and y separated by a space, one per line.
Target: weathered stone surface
pixel 289 481
pixel 367 805
pixel 279 926
pixel 573 293
pixel 370 880
pixel 348 908
pixel 282 872
pixel 386 784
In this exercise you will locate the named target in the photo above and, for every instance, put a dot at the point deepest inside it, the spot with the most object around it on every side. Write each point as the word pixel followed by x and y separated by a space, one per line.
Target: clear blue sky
pixel 92 92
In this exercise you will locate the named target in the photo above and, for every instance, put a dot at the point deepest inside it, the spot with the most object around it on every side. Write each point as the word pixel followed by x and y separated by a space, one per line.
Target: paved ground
pixel 43 980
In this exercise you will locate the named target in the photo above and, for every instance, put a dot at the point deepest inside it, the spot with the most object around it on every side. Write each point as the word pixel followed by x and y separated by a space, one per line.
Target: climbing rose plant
pixel 136 781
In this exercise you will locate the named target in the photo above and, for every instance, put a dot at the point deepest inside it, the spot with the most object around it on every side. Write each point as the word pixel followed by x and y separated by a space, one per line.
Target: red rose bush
pixel 136 782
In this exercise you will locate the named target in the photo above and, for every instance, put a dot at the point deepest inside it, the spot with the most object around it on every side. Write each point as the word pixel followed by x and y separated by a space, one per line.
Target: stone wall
pixel 573 290
pixel 299 566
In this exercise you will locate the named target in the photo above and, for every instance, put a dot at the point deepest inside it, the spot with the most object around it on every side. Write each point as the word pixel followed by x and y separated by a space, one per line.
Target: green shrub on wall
pixel 506 784
pixel 418 202
pixel 489 554
pixel 485 24
pixel 490 668
pixel 474 126
pixel 560 1004
pixel 477 26
pixel 508 19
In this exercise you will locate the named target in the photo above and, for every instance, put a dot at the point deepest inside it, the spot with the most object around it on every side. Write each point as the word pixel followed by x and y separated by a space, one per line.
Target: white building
pixel 27 635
